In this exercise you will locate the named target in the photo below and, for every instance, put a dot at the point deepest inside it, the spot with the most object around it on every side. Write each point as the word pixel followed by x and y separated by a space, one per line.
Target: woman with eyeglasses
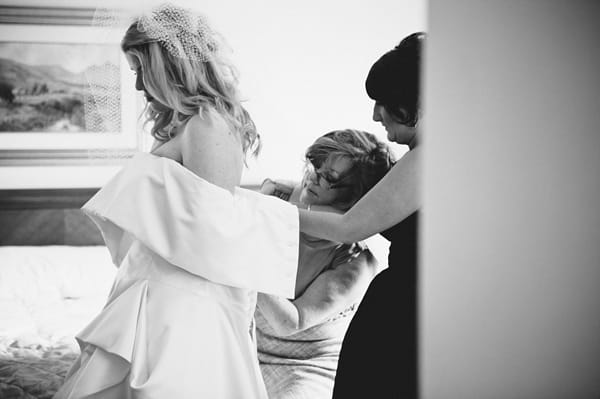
pixel 299 340
pixel 379 353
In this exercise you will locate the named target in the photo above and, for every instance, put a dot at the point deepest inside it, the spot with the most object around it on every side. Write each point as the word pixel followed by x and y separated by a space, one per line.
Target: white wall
pixel 511 254
pixel 302 68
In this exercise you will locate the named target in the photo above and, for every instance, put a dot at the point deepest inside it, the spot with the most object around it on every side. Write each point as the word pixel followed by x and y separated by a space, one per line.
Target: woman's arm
pixel 331 292
pixel 394 198
pixel 211 150
pixel 290 191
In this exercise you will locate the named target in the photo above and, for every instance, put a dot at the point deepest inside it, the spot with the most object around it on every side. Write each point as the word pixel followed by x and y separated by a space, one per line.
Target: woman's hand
pixel 283 190
pixel 267 187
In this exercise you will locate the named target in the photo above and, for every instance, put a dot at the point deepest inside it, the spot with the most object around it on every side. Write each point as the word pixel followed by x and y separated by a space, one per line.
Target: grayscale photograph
pixel 336 199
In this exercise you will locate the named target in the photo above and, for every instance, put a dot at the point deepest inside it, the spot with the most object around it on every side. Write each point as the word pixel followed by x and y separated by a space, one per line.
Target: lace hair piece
pixel 102 97
pixel 102 100
pixel 184 33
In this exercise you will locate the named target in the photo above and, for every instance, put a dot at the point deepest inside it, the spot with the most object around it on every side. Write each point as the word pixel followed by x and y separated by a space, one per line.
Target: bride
pixel 178 322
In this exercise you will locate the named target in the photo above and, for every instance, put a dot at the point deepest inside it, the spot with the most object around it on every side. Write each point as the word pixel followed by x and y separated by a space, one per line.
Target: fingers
pixel 267 187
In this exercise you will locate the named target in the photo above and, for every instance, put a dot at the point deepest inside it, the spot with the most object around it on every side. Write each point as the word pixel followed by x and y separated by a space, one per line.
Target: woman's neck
pixel 413 142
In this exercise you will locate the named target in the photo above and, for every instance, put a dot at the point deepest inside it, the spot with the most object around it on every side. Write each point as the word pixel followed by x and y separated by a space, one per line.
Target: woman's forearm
pixel 330 226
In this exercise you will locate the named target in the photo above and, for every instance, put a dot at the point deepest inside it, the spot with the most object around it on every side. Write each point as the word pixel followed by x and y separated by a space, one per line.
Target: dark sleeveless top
pixel 379 352
pixel 403 242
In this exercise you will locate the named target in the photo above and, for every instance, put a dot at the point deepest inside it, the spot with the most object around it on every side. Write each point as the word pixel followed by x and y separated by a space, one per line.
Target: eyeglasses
pixel 325 181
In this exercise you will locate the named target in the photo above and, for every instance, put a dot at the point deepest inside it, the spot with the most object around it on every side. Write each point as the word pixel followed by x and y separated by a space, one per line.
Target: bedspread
pixel 47 295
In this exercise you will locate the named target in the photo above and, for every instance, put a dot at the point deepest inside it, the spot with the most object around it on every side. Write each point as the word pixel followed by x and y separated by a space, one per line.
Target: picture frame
pixel 45 56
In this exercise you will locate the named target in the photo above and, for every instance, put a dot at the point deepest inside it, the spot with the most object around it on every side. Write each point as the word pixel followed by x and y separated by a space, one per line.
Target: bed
pixel 55 276
pixel 47 294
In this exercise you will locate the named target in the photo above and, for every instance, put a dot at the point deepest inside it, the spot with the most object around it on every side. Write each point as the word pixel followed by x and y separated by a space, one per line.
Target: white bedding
pixel 47 295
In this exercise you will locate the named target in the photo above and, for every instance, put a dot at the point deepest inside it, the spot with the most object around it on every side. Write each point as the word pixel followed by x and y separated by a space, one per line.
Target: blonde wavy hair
pixel 370 158
pixel 184 87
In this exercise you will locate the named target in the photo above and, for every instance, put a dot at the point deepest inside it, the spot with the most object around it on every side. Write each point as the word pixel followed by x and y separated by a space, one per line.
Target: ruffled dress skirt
pixel 167 333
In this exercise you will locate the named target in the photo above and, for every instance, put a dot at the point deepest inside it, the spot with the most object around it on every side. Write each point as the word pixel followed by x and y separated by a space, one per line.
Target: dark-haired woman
pixel 379 353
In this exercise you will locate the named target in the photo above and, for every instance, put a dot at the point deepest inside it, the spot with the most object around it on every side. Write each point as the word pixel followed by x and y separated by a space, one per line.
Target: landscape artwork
pixel 44 86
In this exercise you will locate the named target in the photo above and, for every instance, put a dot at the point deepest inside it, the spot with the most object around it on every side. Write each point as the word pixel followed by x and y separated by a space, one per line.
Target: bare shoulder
pixel 210 149
pixel 409 161
pixel 401 181
pixel 206 126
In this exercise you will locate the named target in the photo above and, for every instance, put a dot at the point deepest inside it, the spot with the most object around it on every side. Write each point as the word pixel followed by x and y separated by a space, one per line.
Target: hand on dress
pixel 357 252
pixel 267 187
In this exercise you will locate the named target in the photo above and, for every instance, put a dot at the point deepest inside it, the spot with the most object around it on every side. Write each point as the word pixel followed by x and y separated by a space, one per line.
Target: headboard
pixel 47 217
pixel 50 217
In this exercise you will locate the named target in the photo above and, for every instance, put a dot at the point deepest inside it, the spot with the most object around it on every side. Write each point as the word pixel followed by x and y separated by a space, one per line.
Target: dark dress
pixel 379 352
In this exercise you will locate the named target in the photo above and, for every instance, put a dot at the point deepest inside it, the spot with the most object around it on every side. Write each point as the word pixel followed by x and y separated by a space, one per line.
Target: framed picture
pixel 67 95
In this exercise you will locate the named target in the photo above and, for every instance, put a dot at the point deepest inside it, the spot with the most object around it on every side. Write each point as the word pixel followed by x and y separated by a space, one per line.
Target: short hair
pixel 394 80
pixel 185 87
pixel 371 159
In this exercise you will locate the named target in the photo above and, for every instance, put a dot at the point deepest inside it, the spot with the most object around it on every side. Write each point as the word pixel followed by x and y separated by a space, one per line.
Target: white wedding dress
pixel 178 322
